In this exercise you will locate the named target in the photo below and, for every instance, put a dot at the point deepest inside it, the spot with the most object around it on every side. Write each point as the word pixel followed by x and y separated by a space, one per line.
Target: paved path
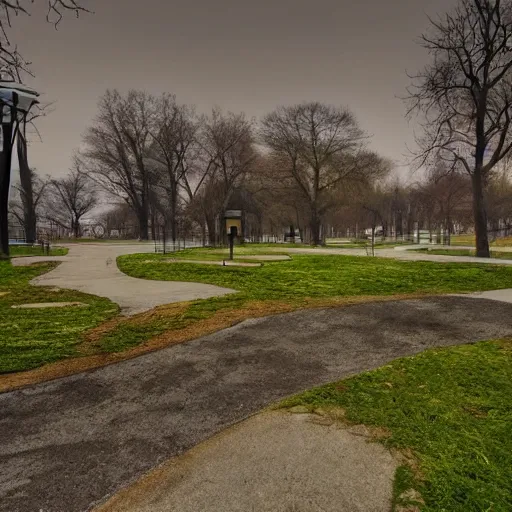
pixel 92 268
pixel 272 462
pixel 68 444
pixel 401 253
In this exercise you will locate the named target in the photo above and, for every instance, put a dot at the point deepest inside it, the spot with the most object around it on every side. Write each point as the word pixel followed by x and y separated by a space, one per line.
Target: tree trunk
pixel 203 233
pixel 143 214
pixel 174 230
pixel 143 225
pixel 212 232
pixel 27 195
pixel 480 217
pixel 76 228
pixel 315 227
pixel 153 225
pixel 292 233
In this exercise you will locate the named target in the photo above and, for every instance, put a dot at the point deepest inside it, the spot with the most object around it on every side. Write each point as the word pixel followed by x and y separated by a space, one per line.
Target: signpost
pixel 233 220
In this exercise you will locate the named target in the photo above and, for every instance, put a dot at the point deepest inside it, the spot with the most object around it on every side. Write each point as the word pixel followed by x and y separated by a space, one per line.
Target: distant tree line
pixel 172 167
pixel 305 168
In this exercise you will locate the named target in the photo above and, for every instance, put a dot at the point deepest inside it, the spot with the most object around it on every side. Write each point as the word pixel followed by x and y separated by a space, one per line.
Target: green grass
pixel 32 337
pixel 464 252
pixel 462 240
pixel 453 408
pixel 315 276
pixel 293 282
pixel 362 244
pixel 21 250
pixel 470 240
pixel 39 336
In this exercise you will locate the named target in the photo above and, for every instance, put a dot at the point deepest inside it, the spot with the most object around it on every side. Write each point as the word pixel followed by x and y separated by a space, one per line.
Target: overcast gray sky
pixel 240 55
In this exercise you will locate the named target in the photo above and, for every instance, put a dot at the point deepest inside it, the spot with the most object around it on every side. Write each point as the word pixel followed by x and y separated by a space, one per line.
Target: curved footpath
pixel 92 268
pixel 67 445
pixel 406 252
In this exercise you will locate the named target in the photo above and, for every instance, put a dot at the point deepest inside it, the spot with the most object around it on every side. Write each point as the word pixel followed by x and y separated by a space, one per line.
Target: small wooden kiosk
pixel 233 222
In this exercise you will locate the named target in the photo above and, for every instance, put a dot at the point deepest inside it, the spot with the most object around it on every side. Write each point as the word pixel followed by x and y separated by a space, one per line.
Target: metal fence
pixel 164 246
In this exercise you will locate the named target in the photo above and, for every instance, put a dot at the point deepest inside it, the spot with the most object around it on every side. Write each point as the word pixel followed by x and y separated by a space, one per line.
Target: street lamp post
pixel 16 100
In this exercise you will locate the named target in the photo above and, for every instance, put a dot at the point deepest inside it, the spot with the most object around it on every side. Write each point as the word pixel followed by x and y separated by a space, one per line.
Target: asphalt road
pixel 67 445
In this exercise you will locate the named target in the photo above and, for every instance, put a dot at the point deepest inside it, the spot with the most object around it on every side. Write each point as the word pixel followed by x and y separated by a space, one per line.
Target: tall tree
pixel 25 204
pixel 320 146
pixel 71 198
pixel 465 95
pixel 226 157
pixel 117 149
pixel 173 135
pixel 29 197
pixel 26 192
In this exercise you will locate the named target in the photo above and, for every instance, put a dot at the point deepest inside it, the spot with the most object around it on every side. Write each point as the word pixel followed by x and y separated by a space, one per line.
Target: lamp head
pixel 14 94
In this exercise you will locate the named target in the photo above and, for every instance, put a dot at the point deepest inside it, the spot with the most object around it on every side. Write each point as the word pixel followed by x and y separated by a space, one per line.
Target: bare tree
pixel 118 146
pixel 321 146
pixel 28 178
pixel 71 198
pixel 375 202
pixel 119 221
pixel 465 95
pixel 25 205
pixel 226 157
pixel 15 66
pixel 446 195
pixel 174 135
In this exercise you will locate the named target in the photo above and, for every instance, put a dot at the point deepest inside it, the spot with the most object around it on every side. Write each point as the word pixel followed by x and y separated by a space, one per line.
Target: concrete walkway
pixel 69 444
pixel 402 253
pixel 273 462
pixel 91 268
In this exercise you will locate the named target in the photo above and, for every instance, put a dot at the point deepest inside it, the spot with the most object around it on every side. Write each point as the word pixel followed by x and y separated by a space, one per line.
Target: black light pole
pixel 16 100
pixel 232 236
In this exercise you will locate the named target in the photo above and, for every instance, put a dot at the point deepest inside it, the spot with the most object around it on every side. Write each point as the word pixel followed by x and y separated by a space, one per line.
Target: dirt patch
pixel 43 305
pixel 221 320
pixel 221 263
pixel 266 257
pixel 89 344
pixel 407 457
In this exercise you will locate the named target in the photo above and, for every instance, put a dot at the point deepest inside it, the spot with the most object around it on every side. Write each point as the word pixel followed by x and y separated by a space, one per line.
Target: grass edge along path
pixel 446 413
pixel 33 337
pixel 315 276
pixel 497 254
pixel 277 287
pixel 90 359
pixel 21 251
